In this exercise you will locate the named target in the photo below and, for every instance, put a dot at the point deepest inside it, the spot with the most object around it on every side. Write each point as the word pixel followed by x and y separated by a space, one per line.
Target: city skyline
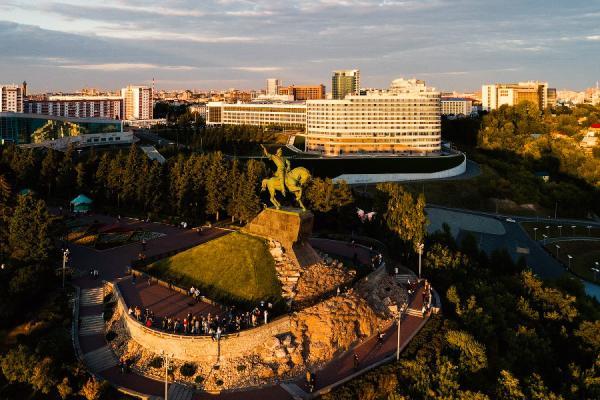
pixel 63 45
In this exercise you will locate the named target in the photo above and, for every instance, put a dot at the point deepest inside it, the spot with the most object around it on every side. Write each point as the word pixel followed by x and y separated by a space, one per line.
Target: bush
pixel 219 382
pixel 241 368
pixel 188 369
pixel 110 336
pixel 157 362
pixel 199 379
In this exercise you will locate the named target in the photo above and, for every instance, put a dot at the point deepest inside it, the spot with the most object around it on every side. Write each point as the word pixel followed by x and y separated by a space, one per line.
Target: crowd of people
pixel 207 324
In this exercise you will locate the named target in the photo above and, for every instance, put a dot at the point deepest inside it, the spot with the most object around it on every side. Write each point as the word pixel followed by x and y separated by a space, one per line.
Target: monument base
pixel 292 227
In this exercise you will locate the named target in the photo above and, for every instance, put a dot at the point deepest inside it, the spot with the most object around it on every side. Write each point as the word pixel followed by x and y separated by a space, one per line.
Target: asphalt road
pixel 515 241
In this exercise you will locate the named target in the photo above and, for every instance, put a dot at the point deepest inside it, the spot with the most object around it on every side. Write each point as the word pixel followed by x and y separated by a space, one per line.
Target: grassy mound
pixel 232 268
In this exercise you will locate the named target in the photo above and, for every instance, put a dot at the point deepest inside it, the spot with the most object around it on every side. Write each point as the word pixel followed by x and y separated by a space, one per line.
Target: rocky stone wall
pixel 285 226
pixel 202 348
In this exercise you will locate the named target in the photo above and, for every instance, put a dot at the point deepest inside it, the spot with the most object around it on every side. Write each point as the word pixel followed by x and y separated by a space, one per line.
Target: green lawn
pixel 553 229
pixel 235 267
pixel 584 254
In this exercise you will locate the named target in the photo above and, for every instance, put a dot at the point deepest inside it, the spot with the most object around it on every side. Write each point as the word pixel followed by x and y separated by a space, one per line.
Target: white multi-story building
pixel 11 98
pixel 403 119
pixel 109 107
pixel 345 82
pixel 137 103
pixel 273 86
pixel 258 114
pixel 456 106
pixel 495 95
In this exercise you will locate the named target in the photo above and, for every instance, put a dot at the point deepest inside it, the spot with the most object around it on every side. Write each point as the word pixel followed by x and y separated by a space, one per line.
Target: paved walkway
pixel 112 265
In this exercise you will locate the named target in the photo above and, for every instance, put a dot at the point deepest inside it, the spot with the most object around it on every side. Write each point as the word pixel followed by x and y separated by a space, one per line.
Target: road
pixel 515 240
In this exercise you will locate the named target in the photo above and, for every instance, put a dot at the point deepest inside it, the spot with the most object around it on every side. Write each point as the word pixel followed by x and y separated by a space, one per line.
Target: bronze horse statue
pixel 294 182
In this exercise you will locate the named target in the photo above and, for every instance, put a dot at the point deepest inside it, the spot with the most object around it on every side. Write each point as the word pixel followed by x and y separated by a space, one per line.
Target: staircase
pixel 100 359
pixel 92 297
pixel 404 278
pixel 179 392
pixel 91 325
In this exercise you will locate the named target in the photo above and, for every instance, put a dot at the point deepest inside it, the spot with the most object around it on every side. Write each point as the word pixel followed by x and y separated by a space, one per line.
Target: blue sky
pixel 452 44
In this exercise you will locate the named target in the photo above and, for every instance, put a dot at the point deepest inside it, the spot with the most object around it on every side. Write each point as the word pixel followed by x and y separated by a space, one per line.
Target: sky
pixel 65 45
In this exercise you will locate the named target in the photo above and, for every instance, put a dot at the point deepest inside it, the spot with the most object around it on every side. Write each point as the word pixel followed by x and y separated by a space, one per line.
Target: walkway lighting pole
pixel 573 227
pixel 569 257
pixel 535 233
pixel 557 247
pixel 545 237
pixel 589 228
pixel 166 361
pixel 400 310
pixel 420 247
pixel 64 265
pixel 596 270
pixel 560 230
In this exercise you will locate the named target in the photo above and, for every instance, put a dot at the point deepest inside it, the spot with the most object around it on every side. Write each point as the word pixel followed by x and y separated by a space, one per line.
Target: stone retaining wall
pixel 202 348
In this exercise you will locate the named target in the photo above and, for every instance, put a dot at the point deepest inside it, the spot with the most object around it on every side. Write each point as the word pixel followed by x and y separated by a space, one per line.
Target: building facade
pixel 345 82
pixel 493 96
pixel 11 98
pixel 302 93
pixel 137 103
pixel 273 85
pixel 108 107
pixel 404 119
pixel 456 106
pixel 290 115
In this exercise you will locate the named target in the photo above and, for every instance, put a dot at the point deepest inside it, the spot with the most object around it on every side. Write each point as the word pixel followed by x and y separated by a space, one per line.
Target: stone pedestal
pixel 291 227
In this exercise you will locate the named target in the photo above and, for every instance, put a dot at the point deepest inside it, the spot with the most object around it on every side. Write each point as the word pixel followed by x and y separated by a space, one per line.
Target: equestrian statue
pixel 284 178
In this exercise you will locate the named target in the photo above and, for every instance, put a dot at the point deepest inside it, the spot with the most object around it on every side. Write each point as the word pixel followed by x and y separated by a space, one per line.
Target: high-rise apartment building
pixel 273 86
pixel 107 107
pixel 137 102
pixel 344 82
pixel 495 95
pixel 404 119
pixel 289 115
pixel 11 98
pixel 301 93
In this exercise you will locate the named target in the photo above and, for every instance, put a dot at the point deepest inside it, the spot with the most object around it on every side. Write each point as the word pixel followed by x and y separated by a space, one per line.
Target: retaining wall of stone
pixel 202 348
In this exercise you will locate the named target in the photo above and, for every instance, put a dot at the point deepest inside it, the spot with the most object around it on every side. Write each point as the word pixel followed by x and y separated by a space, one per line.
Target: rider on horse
pixel 282 164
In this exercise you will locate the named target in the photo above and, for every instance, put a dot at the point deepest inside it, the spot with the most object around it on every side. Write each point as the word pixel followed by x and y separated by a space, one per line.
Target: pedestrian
pixel 309 380
pixel 266 316
pixel 355 361
pixel 143 244
pixel 122 364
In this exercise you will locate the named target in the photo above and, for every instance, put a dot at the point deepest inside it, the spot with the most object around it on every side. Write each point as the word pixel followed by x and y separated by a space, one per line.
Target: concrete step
pixel 414 312
pixel 180 392
pixel 295 391
pixel 91 325
pixel 100 359
pixel 92 297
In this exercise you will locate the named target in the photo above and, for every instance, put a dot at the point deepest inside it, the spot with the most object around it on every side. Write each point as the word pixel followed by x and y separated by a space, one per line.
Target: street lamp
pixel 64 265
pixel 535 233
pixel 166 361
pixel 400 311
pixel 589 228
pixel 596 270
pixel 420 247
pixel 557 247
pixel 544 236
pixel 560 230
pixel 569 257
pixel 573 227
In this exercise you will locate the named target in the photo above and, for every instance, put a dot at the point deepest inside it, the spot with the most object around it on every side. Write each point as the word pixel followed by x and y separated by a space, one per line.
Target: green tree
pixel 29 231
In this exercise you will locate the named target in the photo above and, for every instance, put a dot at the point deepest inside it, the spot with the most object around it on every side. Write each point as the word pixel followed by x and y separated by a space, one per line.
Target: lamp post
pixel 596 270
pixel 560 230
pixel 420 247
pixel 535 233
pixel 557 247
pixel 64 265
pixel 573 227
pixel 589 228
pixel 166 361
pixel 544 236
pixel 569 257
pixel 400 311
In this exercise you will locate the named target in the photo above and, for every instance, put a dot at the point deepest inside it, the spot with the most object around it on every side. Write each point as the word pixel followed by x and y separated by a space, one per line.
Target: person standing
pixel 355 361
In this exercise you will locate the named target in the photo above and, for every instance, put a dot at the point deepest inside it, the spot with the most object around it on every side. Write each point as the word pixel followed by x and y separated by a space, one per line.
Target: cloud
pixel 593 37
pixel 127 66
pixel 257 69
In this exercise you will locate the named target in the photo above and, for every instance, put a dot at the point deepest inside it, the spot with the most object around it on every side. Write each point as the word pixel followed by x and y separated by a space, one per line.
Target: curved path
pixel 112 264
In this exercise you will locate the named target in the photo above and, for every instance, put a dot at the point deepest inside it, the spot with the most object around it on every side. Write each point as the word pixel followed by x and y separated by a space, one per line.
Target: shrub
pixel 241 368
pixel 110 336
pixel 199 379
pixel 219 382
pixel 188 369
pixel 157 362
